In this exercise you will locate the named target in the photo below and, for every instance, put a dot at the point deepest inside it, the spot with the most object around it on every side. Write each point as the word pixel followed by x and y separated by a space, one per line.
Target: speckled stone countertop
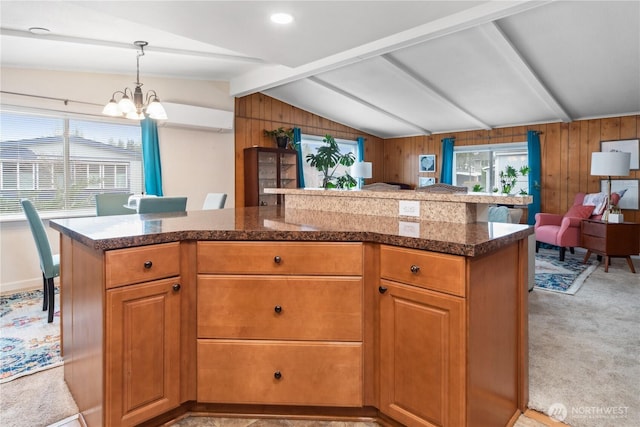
pixel 439 207
pixel 277 224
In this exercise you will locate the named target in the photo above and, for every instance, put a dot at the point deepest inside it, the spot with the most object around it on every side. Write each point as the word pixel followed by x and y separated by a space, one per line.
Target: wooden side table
pixel 610 240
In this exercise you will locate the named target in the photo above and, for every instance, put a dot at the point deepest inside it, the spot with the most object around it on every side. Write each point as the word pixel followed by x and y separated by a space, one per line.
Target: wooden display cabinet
pixel 268 168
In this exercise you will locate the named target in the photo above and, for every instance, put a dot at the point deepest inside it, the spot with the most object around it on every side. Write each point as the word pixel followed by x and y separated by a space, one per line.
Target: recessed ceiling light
pixel 39 31
pixel 281 18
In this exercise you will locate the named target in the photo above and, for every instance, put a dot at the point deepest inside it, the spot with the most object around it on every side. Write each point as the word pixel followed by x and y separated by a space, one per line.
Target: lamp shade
pixel 611 163
pixel 361 170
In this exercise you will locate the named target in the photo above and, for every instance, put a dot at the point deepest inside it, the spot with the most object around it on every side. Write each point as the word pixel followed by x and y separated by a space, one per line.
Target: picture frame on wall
pixel 627 146
pixel 427 163
pixel 423 181
pixel 630 188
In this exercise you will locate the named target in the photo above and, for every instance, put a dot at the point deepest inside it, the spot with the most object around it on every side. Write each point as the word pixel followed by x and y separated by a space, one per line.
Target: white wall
pixel 194 161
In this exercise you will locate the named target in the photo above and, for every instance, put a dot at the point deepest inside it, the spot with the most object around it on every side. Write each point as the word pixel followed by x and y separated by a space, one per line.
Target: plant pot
pixel 282 141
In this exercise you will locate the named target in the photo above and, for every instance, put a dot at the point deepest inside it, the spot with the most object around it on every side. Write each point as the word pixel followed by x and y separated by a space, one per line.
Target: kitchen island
pixel 294 313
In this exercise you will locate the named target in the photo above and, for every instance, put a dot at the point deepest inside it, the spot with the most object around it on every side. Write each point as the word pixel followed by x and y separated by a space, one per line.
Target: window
pixel 61 163
pixel 480 165
pixel 309 143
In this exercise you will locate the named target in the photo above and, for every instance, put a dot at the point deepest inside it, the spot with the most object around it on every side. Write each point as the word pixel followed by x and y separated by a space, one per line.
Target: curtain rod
pixel 492 137
pixel 65 101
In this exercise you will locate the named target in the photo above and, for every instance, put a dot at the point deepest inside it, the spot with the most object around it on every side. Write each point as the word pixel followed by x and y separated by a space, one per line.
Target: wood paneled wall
pixel 566 155
pixel 257 112
pixel 566 147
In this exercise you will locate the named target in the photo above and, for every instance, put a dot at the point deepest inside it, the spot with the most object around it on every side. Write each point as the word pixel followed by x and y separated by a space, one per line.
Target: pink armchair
pixel 564 230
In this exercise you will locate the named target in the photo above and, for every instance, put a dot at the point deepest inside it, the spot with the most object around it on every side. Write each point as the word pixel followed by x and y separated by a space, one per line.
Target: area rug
pixel 562 276
pixel 28 343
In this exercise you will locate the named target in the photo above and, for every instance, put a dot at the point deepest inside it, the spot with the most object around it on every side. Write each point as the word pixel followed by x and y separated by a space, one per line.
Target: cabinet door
pixel 142 351
pixel 422 350
pixel 267 176
pixel 288 170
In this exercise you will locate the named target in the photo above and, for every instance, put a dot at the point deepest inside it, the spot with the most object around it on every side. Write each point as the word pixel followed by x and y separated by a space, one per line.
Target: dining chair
pixel 112 204
pixel 49 263
pixel 162 204
pixel 214 201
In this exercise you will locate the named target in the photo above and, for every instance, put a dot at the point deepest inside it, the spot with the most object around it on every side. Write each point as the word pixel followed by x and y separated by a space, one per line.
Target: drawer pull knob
pixel 277 375
pixel 176 287
pixel 278 309
pixel 277 259
pixel 415 269
pixel 148 264
pixel 382 289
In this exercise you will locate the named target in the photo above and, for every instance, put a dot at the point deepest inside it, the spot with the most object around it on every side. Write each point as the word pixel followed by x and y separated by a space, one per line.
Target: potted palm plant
pixel 281 136
pixel 327 160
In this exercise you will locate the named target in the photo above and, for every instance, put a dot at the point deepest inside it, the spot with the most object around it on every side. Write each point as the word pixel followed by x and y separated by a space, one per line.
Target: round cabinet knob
pixel 148 264
pixel 277 375
pixel 278 309
pixel 176 287
pixel 277 259
pixel 382 289
pixel 415 269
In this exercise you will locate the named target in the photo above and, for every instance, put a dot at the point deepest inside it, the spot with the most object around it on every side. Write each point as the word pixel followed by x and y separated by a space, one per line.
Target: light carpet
pixel 584 359
pixel 566 276
pixel 28 343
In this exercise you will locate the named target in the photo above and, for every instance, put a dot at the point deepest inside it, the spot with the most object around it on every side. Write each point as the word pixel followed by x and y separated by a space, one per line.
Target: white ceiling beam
pixel 4 32
pixel 359 100
pixel 270 76
pixel 432 92
pixel 512 56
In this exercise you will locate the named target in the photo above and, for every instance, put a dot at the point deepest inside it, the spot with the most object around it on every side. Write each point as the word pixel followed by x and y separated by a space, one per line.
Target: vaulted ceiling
pixel 388 68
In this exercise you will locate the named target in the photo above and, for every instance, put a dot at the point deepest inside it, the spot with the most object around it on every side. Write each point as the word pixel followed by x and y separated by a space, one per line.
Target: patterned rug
pixel 562 276
pixel 28 343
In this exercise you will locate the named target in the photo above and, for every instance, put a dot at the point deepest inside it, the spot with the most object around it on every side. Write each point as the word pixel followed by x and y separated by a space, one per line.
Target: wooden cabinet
pixel 280 323
pixel 142 333
pixel 611 240
pixel 268 168
pixel 142 351
pixel 124 333
pixel 449 333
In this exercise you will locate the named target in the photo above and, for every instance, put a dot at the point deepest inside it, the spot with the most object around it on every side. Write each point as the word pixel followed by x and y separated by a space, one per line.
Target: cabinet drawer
pixel 430 270
pixel 280 258
pixel 277 372
pixel 593 243
pixel 141 264
pixel 594 229
pixel 280 307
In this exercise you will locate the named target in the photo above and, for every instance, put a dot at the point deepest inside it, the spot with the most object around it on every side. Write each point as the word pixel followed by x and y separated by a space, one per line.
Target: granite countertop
pixel 482 198
pixel 277 224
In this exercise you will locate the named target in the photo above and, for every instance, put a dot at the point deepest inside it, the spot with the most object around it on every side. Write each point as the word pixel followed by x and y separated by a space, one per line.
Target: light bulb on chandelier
pixel 133 104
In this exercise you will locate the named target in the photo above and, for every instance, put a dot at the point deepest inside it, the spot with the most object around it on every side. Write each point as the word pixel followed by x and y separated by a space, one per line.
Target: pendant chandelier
pixel 141 105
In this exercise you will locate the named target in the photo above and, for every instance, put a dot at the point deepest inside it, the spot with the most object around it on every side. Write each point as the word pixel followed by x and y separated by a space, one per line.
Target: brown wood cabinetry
pixel 449 336
pixel 268 168
pixel 143 355
pixel 610 240
pixel 123 352
pixel 281 323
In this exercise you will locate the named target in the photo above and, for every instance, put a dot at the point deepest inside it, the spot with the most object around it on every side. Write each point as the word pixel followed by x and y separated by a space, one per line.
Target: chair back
pixel 40 236
pixel 214 201
pixel 162 204
pixel 112 204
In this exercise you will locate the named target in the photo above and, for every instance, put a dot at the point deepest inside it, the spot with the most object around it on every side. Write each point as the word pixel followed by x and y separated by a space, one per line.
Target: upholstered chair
pixel 564 230
pixel 49 263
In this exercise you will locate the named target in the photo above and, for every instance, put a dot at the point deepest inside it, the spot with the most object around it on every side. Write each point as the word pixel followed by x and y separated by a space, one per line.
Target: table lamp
pixel 611 163
pixel 360 171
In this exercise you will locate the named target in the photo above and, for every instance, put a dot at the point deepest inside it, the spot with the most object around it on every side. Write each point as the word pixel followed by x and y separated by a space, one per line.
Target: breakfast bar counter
pixel 294 312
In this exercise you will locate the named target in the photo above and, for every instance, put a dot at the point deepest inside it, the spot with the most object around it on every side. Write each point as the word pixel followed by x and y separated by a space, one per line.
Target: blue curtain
pixel 360 149
pixel 533 145
pixel 151 157
pixel 297 139
pixel 446 174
